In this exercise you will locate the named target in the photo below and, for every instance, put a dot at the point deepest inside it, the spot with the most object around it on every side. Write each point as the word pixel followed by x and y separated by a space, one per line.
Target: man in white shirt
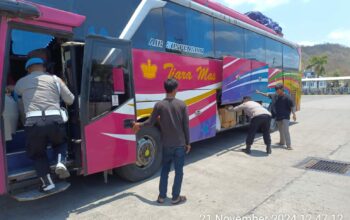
pixel 260 119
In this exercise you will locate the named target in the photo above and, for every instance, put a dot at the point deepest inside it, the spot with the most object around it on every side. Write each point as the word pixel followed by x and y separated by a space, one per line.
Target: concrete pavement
pixel 220 182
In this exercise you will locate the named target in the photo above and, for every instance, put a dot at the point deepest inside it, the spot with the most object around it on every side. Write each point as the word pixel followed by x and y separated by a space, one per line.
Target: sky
pixel 306 22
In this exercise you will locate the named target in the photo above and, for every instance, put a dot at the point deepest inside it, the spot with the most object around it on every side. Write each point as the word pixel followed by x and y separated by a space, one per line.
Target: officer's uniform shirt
pixel 40 93
pixel 252 109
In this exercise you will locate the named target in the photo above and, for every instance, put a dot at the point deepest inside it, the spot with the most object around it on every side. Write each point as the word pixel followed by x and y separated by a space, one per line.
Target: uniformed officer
pixel 260 119
pixel 45 122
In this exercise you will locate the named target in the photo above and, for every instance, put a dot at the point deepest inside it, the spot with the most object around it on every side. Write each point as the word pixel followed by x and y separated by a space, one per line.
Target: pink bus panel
pixel 108 143
pixel 118 80
pixel 151 69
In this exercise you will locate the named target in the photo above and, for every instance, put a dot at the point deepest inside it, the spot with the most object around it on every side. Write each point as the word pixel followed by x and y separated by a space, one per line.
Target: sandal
pixel 180 199
pixel 160 200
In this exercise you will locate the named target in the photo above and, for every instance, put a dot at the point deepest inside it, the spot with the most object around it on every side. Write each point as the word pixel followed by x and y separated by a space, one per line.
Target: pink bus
pixel 114 56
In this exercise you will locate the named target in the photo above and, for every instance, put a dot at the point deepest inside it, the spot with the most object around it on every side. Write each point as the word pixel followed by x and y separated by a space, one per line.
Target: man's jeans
pixel 176 155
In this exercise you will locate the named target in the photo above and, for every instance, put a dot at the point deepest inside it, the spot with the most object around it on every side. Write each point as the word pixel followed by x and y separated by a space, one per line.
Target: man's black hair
pixel 279 86
pixel 247 98
pixel 170 85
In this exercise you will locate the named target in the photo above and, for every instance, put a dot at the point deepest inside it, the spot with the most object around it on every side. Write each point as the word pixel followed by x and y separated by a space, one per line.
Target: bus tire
pixel 136 172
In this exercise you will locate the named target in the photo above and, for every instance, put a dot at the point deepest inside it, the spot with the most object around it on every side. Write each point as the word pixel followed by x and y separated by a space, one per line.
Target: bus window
pixel 201 31
pixel 254 46
pixel 20 39
pixel 188 31
pixel 229 40
pixel 107 18
pixel 273 53
pixel 109 66
pixel 43 45
pixel 150 34
pixel 290 58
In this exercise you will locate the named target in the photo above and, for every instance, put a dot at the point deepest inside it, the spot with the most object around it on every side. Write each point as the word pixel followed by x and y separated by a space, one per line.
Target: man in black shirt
pixel 281 107
pixel 284 106
pixel 174 127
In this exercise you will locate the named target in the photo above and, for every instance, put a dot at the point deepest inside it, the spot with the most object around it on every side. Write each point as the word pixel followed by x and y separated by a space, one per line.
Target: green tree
pixel 317 64
pixel 336 73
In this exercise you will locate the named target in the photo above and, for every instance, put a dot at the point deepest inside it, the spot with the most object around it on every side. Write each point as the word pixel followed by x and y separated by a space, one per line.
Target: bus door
pixel 107 105
pixel 3 34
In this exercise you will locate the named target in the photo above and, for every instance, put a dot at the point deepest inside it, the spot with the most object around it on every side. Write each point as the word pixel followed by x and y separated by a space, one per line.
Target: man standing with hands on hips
pixel 174 127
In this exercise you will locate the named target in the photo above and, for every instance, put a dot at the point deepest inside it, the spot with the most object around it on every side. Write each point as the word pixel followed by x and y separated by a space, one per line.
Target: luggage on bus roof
pixel 264 20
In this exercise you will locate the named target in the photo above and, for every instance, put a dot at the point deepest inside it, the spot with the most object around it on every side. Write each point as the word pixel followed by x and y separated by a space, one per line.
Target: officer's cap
pixel 32 61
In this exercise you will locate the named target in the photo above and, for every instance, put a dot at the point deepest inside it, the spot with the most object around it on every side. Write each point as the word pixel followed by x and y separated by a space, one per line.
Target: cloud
pixel 341 36
pixel 338 36
pixel 256 4
pixel 307 43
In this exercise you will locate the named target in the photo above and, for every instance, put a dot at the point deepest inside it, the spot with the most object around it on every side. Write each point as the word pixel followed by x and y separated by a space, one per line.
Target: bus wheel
pixel 148 156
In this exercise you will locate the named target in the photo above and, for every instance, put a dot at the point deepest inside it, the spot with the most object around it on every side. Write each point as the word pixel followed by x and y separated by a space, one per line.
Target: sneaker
pixel 47 183
pixel 62 171
pixel 289 148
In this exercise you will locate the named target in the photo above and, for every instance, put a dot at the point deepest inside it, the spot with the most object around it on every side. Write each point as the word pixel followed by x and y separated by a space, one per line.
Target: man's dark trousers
pixel 261 122
pixel 40 132
pixel 176 155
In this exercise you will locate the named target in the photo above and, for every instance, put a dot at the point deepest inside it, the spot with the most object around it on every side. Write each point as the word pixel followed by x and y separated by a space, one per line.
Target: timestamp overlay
pixel 273 217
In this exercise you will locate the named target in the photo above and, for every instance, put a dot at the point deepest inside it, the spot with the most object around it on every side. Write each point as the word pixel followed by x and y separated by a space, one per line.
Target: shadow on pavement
pixel 90 192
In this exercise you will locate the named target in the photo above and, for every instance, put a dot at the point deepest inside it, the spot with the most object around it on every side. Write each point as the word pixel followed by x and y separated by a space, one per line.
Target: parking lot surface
pixel 221 182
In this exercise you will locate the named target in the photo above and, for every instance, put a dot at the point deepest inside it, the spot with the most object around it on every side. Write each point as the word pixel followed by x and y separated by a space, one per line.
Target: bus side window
pixel 188 31
pixel 273 53
pixel 150 34
pixel 255 46
pixel 229 40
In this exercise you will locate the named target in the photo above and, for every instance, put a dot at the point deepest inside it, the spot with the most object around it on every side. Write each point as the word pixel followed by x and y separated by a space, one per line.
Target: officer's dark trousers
pixel 41 132
pixel 261 122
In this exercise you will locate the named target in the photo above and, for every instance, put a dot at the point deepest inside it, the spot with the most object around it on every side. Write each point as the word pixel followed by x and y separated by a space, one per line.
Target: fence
pixel 327 91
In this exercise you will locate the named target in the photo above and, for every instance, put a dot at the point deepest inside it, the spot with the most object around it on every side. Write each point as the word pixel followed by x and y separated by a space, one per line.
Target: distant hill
pixel 338 57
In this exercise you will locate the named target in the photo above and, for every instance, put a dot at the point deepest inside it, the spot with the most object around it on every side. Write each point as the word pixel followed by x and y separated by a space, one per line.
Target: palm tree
pixel 317 64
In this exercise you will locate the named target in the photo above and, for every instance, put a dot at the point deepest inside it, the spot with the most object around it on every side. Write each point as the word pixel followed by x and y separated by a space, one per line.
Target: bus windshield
pixel 107 18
